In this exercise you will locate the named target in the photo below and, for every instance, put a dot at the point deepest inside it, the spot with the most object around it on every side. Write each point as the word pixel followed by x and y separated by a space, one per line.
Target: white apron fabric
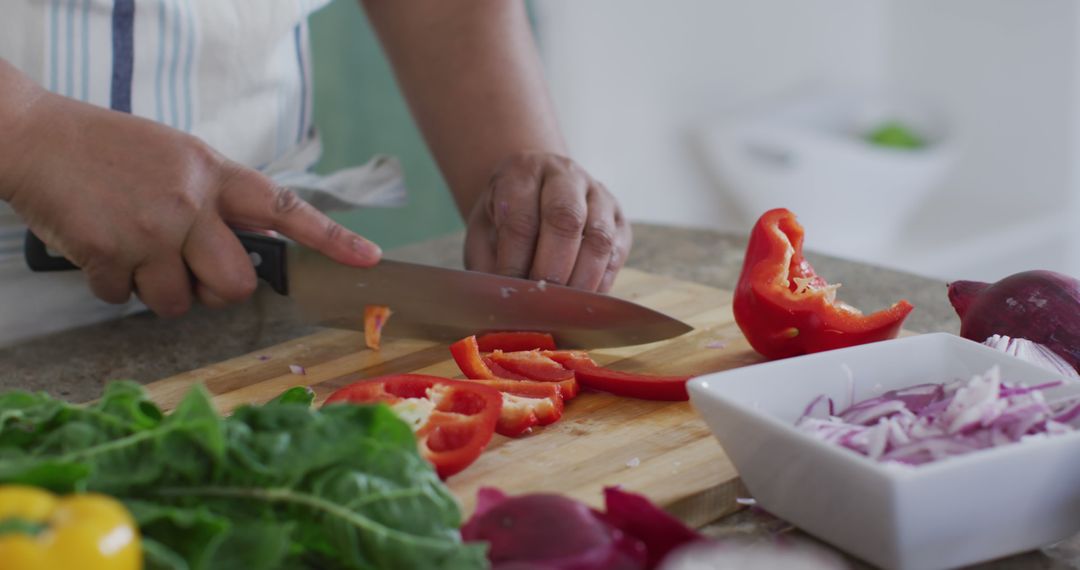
pixel 235 73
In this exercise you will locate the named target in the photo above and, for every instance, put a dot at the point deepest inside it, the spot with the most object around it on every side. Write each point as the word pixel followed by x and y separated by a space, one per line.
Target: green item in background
pixel 360 112
pixel 893 134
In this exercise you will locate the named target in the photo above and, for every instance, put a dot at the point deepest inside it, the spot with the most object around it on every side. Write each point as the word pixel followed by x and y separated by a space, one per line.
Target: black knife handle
pixel 267 255
pixel 39 258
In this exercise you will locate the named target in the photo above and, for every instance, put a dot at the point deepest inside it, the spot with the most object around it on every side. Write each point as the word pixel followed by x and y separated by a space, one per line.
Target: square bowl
pixel 944 514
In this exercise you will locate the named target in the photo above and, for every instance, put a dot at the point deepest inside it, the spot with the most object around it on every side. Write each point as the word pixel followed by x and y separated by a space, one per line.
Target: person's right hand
pixel 143 208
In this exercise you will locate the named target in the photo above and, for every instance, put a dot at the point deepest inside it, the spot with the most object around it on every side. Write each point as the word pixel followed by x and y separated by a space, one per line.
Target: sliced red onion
pixel 297 369
pixel 1032 352
pixel 928 422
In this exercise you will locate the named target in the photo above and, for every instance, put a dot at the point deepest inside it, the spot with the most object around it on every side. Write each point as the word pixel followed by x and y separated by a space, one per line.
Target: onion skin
pixel 1040 306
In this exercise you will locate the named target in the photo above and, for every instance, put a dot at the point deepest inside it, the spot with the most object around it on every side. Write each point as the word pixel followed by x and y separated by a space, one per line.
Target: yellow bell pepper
pixel 39 530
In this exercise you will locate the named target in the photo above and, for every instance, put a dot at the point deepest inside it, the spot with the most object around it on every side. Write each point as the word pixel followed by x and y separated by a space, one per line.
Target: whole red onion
pixel 1040 306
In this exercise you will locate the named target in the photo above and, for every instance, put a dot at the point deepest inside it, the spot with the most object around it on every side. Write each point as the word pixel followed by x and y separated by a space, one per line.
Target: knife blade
pixel 435 303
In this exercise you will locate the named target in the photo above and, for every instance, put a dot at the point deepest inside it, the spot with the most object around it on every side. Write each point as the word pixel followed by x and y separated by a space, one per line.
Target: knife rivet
pixel 255 258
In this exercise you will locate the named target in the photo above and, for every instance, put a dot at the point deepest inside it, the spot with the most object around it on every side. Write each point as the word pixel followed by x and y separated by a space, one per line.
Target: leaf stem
pixel 283 495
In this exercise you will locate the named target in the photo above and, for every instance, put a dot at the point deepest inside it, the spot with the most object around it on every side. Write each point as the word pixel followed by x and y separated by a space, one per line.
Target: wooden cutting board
pixel 660 449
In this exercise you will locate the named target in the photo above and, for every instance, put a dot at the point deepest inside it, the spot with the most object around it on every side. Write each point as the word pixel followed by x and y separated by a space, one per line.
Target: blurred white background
pixel 669 102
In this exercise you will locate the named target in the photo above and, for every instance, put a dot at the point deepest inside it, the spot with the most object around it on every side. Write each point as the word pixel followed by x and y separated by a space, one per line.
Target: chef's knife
pixel 432 302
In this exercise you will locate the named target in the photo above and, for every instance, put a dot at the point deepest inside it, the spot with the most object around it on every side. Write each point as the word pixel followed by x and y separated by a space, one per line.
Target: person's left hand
pixel 543 217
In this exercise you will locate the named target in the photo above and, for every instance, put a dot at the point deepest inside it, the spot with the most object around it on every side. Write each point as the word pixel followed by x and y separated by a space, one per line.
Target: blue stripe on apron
pixel 300 135
pixel 85 96
pixel 123 34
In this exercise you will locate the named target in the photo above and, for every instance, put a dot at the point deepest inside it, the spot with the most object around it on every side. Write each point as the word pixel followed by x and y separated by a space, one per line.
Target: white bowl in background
pixel 952 512
pixel 807 153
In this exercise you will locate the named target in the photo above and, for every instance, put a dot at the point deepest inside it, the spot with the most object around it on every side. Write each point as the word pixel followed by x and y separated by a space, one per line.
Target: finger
pixel 220 264
pixel 111 284
pixel 619 256
pixel 597 241
pixel 515 212
pixel 164 284
pixel 480 242
pixel 250 199
pixel 209 298
pixel 563 213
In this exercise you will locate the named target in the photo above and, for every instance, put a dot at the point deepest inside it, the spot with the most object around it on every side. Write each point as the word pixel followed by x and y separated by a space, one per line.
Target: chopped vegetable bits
pixel 928 422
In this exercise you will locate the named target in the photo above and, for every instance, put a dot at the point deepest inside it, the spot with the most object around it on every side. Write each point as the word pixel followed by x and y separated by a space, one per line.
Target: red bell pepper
pixel 453 420
pixel 375 317
pixel 785 309
pixel 514 341
pixel 466 353
pixel 527 365
pixel 526 404
pixel 644 386
pixel 532 365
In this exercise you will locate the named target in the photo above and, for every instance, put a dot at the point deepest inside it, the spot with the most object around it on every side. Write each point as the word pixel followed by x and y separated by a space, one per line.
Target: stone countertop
pixel 76 363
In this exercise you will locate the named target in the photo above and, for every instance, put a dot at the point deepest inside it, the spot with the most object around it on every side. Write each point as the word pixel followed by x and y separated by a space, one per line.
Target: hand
pixel 543 217
pixel 147 209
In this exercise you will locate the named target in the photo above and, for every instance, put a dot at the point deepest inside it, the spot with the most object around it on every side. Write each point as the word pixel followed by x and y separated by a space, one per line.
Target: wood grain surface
pixel 660 449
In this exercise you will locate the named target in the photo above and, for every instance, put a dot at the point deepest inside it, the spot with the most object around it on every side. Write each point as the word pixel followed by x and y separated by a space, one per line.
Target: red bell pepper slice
pixel 375 317
pixel 475 366
pixel 785 309
pixel 572 359
pixel 628 384
pixel 500 372
pixel 466 353
pixel 514 341
pixel 532 365
pixel 526 404
pixel 453 420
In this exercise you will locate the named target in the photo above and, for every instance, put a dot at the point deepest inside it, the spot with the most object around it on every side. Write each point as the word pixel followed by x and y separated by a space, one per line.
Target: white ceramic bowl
pixel 949 513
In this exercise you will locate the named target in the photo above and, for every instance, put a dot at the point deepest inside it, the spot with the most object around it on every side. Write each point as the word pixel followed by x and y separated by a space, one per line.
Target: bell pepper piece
pixel 514 341
pixel 466 353
pixel 473 365
pixel 453 420
pixel 88 531
pixel 532 365
pixel 526 404
pixel 628 384
pixel 375 317
pixel 785 309
pixel 571 359
pixel 498 371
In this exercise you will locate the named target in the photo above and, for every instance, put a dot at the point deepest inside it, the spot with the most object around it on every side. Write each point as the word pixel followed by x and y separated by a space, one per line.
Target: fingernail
pixel 367 248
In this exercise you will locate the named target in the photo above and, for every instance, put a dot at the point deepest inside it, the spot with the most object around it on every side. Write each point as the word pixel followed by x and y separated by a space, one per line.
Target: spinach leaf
pixel 274 486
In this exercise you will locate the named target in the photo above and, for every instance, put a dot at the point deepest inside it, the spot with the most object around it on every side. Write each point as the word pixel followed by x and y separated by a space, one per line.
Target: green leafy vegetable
pixel 274 486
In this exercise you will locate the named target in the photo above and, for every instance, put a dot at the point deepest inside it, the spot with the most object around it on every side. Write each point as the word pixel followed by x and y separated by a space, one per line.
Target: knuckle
pixel 334 231
pixel 565 218
pixel 519 226
pixel 96 249
pixel 286 201
pixel 202 153
pixel 599 237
